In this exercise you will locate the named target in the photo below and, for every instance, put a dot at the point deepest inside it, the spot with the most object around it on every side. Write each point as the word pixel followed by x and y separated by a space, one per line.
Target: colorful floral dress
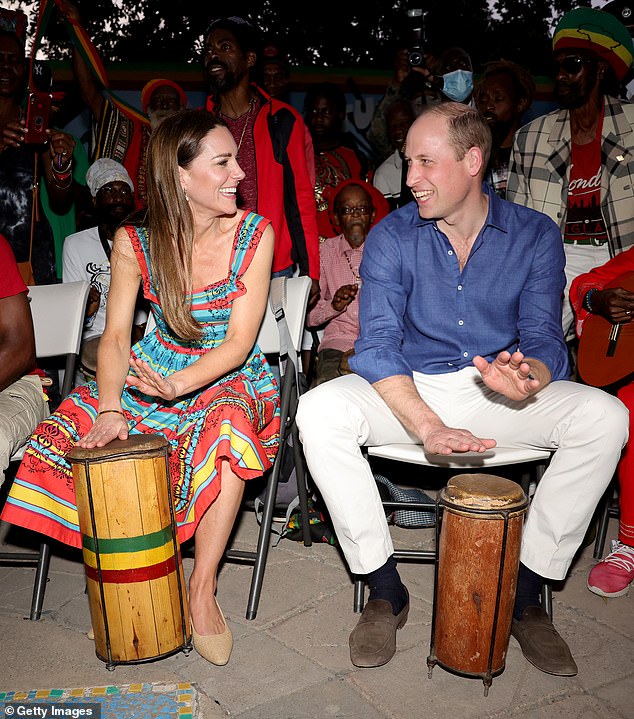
pixel 236 418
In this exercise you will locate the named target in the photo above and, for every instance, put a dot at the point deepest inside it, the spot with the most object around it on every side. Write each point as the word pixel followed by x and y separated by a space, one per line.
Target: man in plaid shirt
pixel 576 164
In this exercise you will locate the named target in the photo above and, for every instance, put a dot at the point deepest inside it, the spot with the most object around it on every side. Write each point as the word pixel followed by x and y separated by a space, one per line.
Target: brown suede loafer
pixel 373 640
pixel 541 643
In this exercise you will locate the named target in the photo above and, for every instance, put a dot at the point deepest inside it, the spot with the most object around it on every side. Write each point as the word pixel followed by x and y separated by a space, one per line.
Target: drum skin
pixel 134 573
pixel 474 565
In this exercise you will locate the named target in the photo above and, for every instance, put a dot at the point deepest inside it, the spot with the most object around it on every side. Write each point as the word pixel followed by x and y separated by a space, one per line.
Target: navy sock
pixel 385 583
pixel 529 588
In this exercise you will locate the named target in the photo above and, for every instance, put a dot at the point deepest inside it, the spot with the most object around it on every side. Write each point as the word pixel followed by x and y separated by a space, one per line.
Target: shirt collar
pixel 496 216
pixel 344 246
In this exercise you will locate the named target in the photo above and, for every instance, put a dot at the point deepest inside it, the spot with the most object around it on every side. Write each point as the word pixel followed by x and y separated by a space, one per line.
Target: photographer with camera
pixel 29 155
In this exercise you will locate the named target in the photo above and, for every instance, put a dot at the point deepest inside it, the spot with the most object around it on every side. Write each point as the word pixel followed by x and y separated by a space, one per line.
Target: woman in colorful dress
pixel 198 379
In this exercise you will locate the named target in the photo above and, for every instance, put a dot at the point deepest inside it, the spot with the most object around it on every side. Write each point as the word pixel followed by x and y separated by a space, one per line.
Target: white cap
pixel 103 171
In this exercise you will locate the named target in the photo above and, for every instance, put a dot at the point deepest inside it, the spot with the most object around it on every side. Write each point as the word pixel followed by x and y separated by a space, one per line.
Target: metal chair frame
pixel 279 338
pixel 609 508
pixel 535 460
pixel 281 332
pixel 58 320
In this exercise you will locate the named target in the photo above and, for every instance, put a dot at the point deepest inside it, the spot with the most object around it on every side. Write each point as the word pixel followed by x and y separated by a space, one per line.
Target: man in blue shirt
pixel 461 348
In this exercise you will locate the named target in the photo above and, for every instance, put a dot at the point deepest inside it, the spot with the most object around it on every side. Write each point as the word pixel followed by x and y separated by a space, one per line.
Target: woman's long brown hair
pixel 174 143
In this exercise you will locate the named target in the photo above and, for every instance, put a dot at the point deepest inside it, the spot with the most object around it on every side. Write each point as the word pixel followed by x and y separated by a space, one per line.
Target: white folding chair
pixel 58 320
pixel 534 459
pixel 280 339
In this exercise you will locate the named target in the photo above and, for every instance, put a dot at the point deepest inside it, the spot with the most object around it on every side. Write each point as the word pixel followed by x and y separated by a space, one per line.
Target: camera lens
pixel 415 58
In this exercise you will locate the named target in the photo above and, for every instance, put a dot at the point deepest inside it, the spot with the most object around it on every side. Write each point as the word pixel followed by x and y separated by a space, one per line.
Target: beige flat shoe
pixel 215 648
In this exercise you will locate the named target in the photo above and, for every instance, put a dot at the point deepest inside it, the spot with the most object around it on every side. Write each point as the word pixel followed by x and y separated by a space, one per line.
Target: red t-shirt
pixel 584 221
pixel 11 282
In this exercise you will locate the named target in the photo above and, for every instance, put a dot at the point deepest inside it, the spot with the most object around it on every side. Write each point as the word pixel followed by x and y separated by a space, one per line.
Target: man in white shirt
pixel 390 175
pixel 86 254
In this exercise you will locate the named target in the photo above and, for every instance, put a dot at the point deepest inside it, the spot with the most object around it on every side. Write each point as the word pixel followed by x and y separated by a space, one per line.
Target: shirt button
pixel 465 354
pixel 450 252
pixel 459 287
pixel 461 322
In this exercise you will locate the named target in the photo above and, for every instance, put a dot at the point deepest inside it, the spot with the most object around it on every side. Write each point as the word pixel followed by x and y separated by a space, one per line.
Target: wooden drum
pixel 88 357
pixel 479 531
pixel 134 573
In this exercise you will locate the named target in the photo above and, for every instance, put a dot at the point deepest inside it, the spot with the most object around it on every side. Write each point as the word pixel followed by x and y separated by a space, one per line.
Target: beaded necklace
pixel 355 273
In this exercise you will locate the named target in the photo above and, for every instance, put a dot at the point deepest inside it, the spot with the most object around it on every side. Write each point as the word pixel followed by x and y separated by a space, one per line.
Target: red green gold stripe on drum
pixel 140 574
pixel 129 553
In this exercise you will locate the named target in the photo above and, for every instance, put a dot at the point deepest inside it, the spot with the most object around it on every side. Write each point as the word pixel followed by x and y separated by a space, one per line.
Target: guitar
pixel 606 351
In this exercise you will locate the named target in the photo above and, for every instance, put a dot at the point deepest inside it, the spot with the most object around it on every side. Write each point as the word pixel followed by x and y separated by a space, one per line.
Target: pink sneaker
pixel 612 576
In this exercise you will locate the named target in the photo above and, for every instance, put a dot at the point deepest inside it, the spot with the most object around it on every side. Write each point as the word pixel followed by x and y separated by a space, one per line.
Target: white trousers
pixel 587 427
pixel 579 260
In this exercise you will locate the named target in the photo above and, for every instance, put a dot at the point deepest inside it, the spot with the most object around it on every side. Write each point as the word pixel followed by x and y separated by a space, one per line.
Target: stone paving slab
pixel 331 699
pixel 292 661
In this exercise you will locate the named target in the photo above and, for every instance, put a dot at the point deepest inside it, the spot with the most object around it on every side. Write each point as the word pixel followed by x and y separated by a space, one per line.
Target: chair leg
pixel 288 400
pixel 359 592
pixel 41 577
pixel 301 487
pixel 547 599
pixel 264 541
pixel 603 522
pixel 602 531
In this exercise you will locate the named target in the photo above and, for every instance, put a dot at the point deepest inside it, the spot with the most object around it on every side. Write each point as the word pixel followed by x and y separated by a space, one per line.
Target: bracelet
pixel 587 300
pixel 114 411
pixel 63 186
pixel 58 179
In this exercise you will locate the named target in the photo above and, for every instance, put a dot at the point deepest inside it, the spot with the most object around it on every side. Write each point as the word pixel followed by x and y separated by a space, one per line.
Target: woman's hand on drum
pixel 150 382
pixel 108 426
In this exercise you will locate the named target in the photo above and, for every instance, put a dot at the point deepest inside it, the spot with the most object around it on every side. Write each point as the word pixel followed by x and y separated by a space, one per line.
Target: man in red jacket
pixel 589 295
pixel 272 150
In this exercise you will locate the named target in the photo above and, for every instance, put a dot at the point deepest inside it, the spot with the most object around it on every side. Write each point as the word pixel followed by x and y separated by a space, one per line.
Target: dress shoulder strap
pixel 247 238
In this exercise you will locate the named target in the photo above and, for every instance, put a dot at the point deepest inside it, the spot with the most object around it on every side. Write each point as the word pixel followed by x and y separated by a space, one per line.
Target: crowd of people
pixel 453 271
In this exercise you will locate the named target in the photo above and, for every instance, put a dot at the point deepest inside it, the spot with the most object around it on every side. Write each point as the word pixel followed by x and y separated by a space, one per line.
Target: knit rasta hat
pixel 103 171
pixel 600 32
pixel 152 85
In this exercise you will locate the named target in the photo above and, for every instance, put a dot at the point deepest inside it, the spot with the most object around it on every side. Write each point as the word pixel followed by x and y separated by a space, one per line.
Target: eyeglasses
pixel 360 210
pixel 571 64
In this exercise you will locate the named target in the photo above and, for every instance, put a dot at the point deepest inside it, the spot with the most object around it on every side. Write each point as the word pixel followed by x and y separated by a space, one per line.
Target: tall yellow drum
pixel 134 572
pixel 479 532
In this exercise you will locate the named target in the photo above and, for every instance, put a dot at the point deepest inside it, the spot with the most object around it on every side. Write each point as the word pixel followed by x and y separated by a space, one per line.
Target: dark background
pixel 328 33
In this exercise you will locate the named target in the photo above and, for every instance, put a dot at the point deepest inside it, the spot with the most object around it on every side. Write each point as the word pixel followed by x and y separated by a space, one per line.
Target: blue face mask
pixel 458 85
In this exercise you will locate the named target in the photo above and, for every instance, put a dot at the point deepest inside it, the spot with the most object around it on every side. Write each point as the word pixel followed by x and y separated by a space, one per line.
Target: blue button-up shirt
pixel 420 313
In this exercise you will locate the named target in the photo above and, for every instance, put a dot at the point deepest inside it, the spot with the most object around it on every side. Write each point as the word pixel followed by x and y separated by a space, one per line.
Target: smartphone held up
pixel 38 115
